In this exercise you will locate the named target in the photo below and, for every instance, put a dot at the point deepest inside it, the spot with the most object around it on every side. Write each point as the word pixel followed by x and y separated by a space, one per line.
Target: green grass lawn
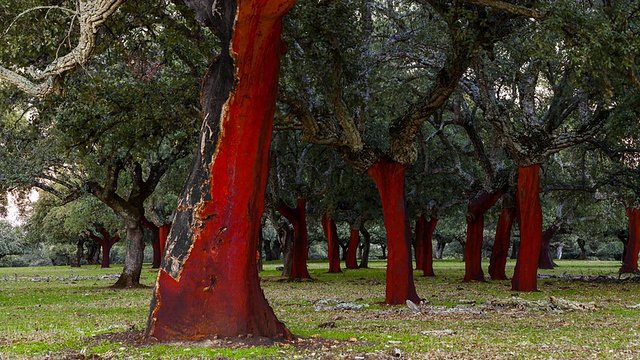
pixel 60 312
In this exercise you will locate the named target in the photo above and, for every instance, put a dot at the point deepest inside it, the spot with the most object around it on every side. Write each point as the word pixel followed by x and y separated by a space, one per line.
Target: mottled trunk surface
pixel 351 261
pixel 500 250
pixel 630 259
pixel 389 178
pixel 130 276
pixel 366 247
pixel 333 247
pixel 77 261
pixel 155 242
pixel 163 235
pixel 544 261
pixel 208 284
pixel 475 230
pixel 298 219
pixel 286 235
pixel 530 214
pixel 418 241
pixel 427 247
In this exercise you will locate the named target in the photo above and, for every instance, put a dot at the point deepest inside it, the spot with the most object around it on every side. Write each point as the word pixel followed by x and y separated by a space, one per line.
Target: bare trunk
pixel 209 283
pixel 333 248
pixel 352 249
pixel 500 250
pixel 630 260
pixel 298 218
pixel 389 178
pixel 530 214
pixel 544 261
pixel 475 229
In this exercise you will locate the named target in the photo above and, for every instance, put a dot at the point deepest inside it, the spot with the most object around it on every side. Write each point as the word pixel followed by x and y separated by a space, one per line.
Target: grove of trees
pixel 501 127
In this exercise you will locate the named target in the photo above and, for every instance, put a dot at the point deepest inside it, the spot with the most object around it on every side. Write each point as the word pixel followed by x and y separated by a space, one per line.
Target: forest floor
pixel 582 311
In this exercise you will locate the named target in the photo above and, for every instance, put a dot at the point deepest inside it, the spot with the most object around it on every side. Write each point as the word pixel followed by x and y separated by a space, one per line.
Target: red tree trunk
pixel 163 234
pixel 630 260
pixel 209 283
pixel 530 214
pixel 106 243
pixel 389 178
pixel 544 261
pixel 333 248
pixel 427 247
pixel 500 250
pixel 475 228
pixel 352 249
pixel 155 242
pixel 418 247
pixel 298 219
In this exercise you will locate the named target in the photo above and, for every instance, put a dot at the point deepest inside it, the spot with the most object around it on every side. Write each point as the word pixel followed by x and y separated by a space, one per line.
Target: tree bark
pixel 500 251
pixel 441 243
pixel 333 247
pixel 209 283
pixel 298 219
pixel 130 276
pixel 287 236
pixel 544 261
pixel 389 178
pixel 155 242
pixel 475 234
pixel 427 247
pixel 630 260
pixel 419 241
pixel 366 247
pixel 530 215
pixel 351 262
pixel 163 235
pixel 77 261
pixel 106 243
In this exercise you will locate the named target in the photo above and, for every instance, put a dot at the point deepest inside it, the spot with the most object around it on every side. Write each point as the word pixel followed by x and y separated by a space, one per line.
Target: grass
pixel 54 312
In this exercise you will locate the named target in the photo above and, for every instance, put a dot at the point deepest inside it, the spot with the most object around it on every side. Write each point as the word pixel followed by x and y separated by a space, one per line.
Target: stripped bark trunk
pixel 630 260
pixel 209 283
pixel 530 222
pixel 389 178
pixel 475 229
pixel 500 251
pixel 106 242
pixel 155 242
pixel 333 247
pixel 351 262
pixel 298 218
pixel 544 261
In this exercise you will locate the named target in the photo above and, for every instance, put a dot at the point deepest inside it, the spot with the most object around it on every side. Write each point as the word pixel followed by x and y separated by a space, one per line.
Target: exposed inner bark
pixel 333 248
pixel 106 243
pixel 351 261
pixel 530 221
pixel 500 250
pixel 298 219
pixel 208 284
pixel 544 261
pixel 475 228
pixel 389 178
pixel 630 260
pixel 155 242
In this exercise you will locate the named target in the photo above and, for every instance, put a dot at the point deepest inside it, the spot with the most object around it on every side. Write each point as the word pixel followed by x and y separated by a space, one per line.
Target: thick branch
pixel 91 15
